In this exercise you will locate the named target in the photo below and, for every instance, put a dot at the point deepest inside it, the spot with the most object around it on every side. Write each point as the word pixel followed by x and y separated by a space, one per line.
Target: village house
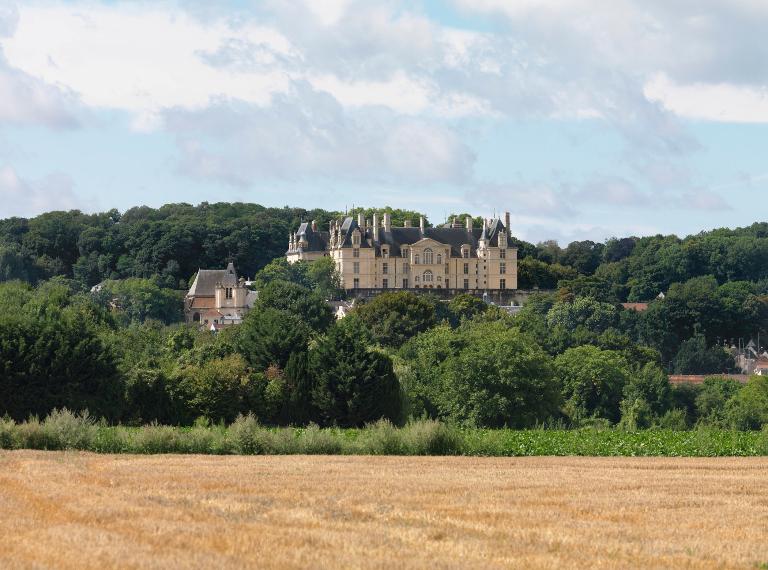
pixel 218 298
pixel 374 255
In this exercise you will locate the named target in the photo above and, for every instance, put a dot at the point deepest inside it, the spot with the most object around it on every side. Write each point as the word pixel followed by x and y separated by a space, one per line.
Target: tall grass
pixel 65 430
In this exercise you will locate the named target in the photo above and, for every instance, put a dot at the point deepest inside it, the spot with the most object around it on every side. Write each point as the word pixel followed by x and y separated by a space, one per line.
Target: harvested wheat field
pixel 80 510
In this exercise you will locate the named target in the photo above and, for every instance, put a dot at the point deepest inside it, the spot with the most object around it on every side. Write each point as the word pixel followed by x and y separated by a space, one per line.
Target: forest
pixel 573 356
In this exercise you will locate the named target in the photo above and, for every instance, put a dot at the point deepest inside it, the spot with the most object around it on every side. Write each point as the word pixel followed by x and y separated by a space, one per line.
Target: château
pixel 372 255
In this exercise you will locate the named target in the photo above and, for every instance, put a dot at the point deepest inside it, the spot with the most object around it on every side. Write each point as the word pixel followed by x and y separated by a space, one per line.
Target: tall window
pixel 385 283
pixel 446 284
pixel 405 284
pixel 416 259
pixel 356 283
pixel 428 256
pixel 405 267
pixel 385 268
pixel 502 267
pixel 439 258
pixel 466 284
pixel 465 253
pixel 427 276
pixel 385 252
pixel 356 267
pixel 228 293
pixel 466 269
pixel 355 238
pixel 502 254
pixel 502 283
pixel 404 252
pixel 356 252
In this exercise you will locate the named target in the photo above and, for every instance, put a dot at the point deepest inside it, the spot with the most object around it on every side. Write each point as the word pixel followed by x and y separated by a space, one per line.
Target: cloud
pixel 25 198
pixel 307 133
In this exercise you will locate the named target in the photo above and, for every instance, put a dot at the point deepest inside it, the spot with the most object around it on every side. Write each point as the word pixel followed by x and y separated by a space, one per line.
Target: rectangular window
pixel 447 269
pixel 465 253
pixel 416 259
pixel 228 293
pixel 385 283
pixel 356 252
pixel 405 284
pixel 466 269
pixel 466 284
pixel 405 268
pixel 502 267
pixel 356 267
pixel 404 252
pixel 446 284
pixel 385 268
pixel 502 284
pixel 356 283
pixel 385 253
pixel 502 254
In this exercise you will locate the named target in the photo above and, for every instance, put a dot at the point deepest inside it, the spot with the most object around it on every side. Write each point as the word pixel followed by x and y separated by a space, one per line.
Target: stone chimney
pixel 361 221
pixel 407 223
pixel 314 225
pixel 468 222
pixel 421 223
pixel 387 222
pixel 375 227
pixel 506 222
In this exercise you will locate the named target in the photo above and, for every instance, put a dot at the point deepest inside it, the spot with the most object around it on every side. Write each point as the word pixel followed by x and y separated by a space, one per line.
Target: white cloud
pixel 25 198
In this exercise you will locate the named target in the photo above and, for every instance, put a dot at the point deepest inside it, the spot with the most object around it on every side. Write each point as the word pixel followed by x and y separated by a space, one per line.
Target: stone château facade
pixel 218 298
pixel 373 255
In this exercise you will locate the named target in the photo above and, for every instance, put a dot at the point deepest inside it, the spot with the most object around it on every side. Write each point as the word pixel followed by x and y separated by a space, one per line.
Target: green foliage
pixel 353 384
pixel 296 300
pixel 748 408
pixel 465 306
pixel 536 274
pixel 393 318
pixel 694 357
pixel 269 336
pixel 592 382
pixel 712 398
pixel 137 300
pixel 482 374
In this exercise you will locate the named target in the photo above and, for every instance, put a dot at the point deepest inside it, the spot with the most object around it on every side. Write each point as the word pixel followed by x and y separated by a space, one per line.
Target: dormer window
pixel 465 252
pixel 404 252
pixel 356 239
pixel 385 252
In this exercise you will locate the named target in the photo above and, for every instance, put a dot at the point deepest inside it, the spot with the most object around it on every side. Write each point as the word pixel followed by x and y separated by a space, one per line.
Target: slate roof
pixel 317 240
pixel 452 235
pixel 206 280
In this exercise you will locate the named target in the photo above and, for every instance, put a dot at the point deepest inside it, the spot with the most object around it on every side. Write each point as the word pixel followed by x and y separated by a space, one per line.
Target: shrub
pixel 67 430
pixel 675 419
pixel 316 441
pixel 154 438
pixel 381 438
pixel 430 437
pixel 247 437
pixel 7 433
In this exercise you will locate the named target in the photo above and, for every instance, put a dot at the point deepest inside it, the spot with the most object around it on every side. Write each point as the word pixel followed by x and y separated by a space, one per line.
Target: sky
pixel 585 119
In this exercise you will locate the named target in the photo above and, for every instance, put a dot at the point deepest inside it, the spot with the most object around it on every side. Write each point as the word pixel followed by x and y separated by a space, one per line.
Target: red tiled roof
pixel 699 378
pixel 639 307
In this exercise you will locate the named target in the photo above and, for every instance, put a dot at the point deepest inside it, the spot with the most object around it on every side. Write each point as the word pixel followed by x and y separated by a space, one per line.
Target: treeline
pixel 167 244
pixel 563 361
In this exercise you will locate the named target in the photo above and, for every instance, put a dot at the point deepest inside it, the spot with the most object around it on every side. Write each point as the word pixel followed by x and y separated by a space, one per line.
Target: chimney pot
pixel 506 222
pixel 421 223
pixel 387 222
pixel 375 226
pixel 468 222
pixel 361 220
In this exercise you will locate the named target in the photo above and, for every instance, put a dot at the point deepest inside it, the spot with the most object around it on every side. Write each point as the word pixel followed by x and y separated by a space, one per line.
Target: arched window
pixel 428 256
pixel 439 258
pixel 427 276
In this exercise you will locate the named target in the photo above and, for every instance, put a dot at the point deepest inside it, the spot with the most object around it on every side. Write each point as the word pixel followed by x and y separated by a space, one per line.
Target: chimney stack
pixel 387 222
pixel 407 223
pixel 375 226
pixel 314 225
pixel 361 221
pixel 468 222
pixel 421 223
pixel 506 222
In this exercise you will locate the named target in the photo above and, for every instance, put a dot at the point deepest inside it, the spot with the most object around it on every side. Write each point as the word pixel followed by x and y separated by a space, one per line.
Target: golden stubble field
pixel 80 510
